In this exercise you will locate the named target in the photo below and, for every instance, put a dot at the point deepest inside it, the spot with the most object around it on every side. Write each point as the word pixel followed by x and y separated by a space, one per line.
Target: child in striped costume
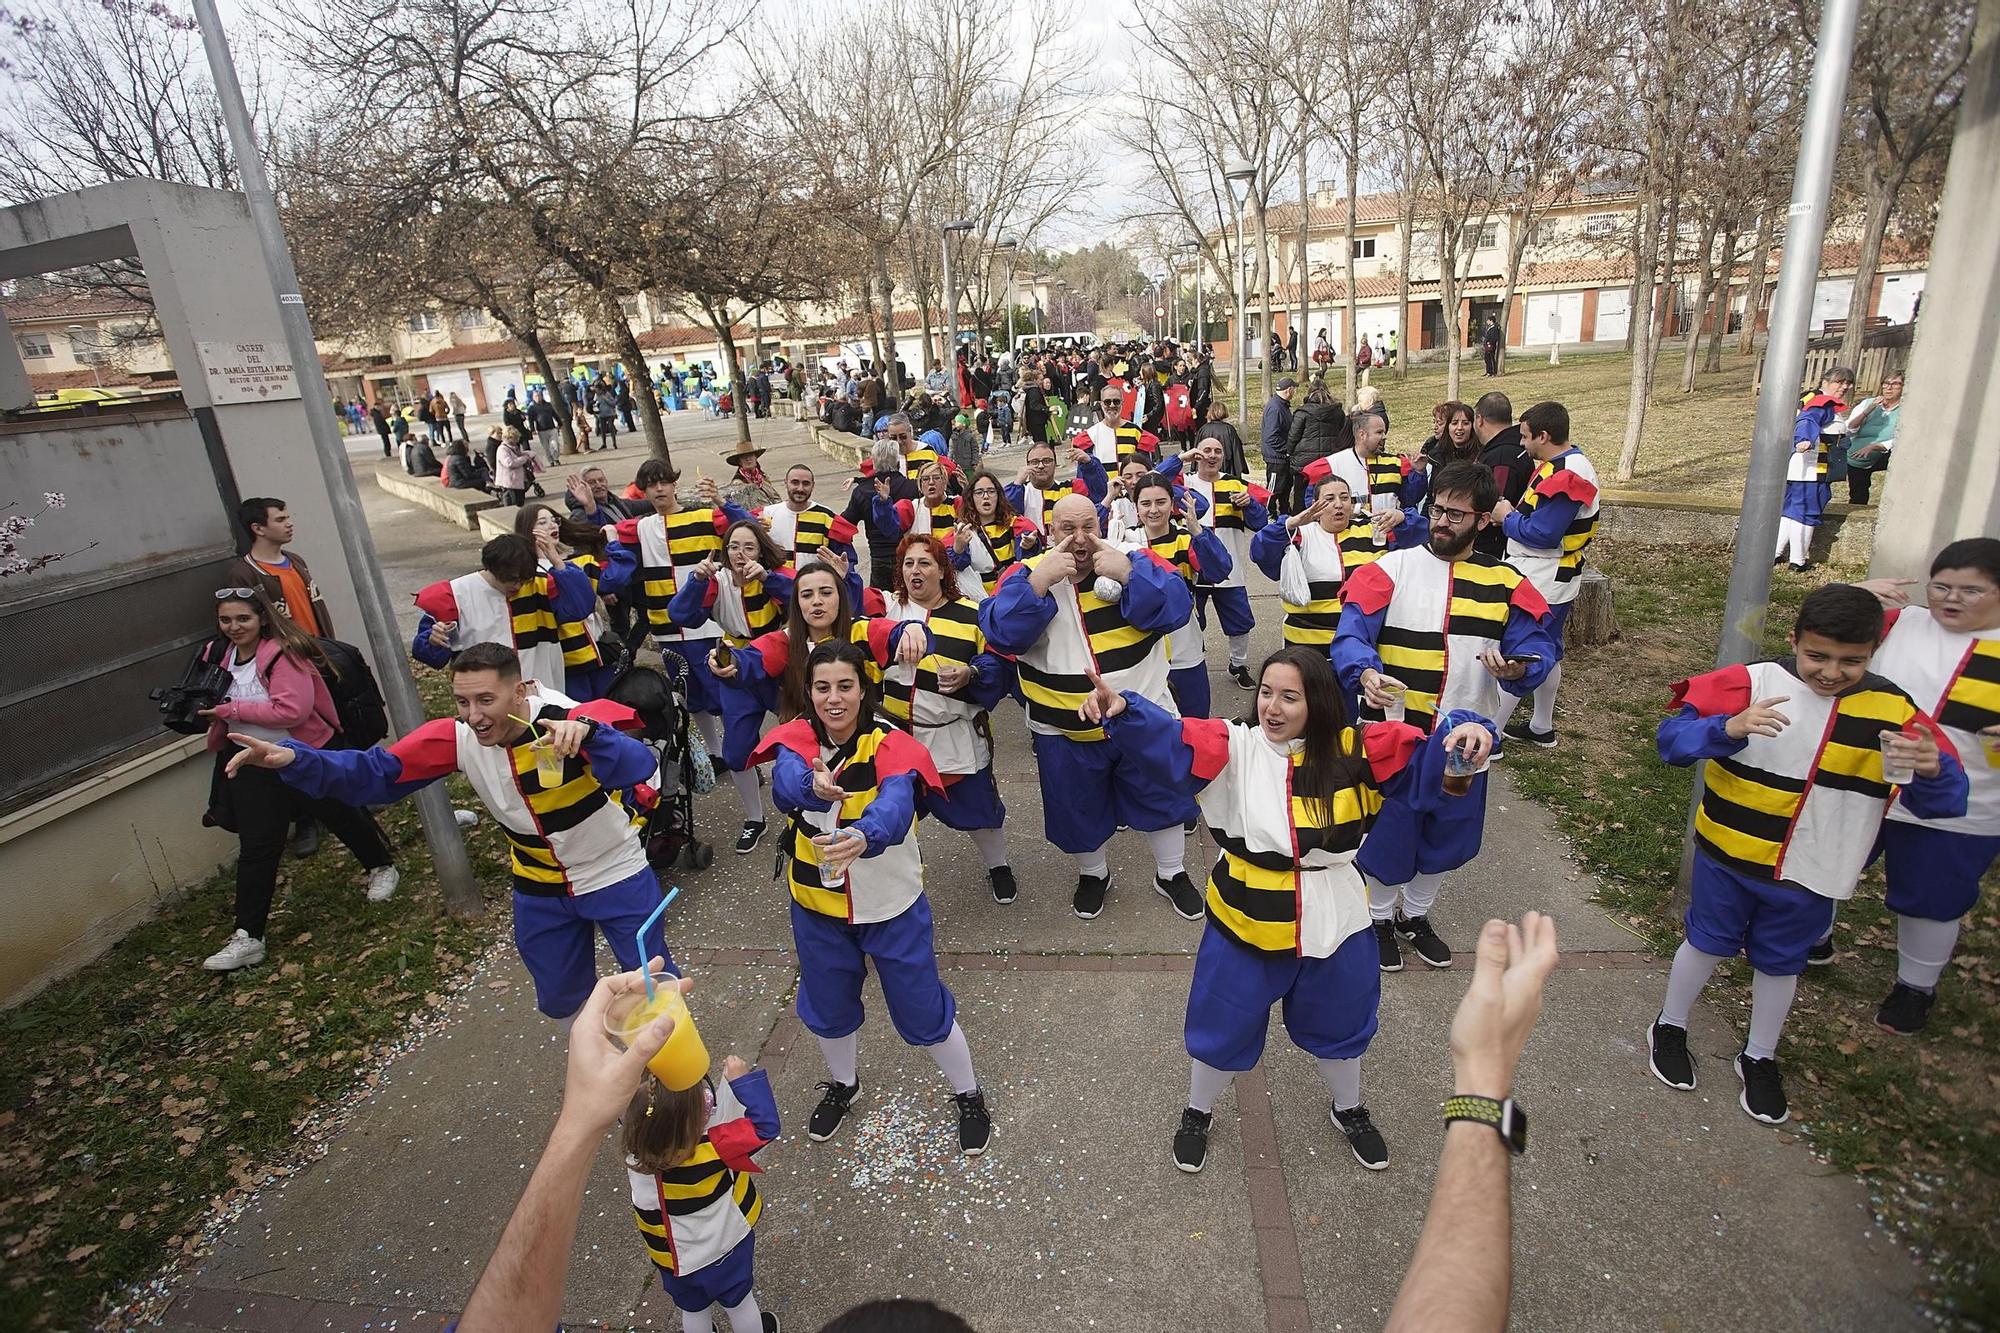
pixel 1822 419
pixel 1793 799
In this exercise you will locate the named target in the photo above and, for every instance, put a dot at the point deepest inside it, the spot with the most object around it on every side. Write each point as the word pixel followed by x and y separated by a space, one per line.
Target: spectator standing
pixel 542 421
pixel 381 420
pixel 627 405
pixel 604 406
pixel 1500 449
pixel 1871 434
pixel 1489 345
pixel 284 578
pixel 1318 430
pixel 1274 442
pixel 579 424
pixel 458 416
pixel 1292 346
pixel 438 417
pixel 1364 359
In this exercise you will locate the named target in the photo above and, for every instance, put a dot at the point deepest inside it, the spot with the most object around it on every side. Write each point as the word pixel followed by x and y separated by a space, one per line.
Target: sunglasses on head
pixel 235 594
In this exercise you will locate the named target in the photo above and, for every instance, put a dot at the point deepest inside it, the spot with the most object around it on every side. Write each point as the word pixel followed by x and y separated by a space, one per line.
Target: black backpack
pixel 356 697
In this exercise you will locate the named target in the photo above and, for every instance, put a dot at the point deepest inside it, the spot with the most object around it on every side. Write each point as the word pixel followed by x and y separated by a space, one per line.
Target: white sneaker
pixel 382 883
pixel 465 818
pixel 241 951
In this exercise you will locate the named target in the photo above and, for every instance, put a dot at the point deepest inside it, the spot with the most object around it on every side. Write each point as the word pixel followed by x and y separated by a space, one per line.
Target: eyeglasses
pixel 1452 516
pixel 1953 592
pixel 235 594
pixel 1111 402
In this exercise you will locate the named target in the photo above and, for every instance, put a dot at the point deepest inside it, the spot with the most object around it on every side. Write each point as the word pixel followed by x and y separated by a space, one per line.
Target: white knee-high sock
pixel 748 793
pixel 1923 947
pixel 1205 1084
pixel 698 1321
pixel 745 1316
pixel 1692 969
pixel 841 1054
pixel 1094 863
pixel 710 727
pixel 1343 1080
pixel 1508 703
pixel 992 845
pixel 1770 1002
pixel 954 1057
pixel 1169 850
pixel 1544 718
pixel 1239 650
pixel 1382 898
pixel 1421 894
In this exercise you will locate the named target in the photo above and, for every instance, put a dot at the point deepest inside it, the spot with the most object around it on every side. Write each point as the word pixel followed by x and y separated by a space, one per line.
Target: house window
pixel 630 305
pixel 424 321
pixel 1480 237
pixel 36 346
pixel 1545 232
pixel 471 319
pixel 1364 248
pixel 1600 224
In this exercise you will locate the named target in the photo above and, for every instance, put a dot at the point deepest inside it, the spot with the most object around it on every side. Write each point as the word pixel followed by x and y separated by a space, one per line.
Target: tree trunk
pixel 532 340
pixel 1590 619
pixel 1691 347
pixel 1881 199
pixel 889 374
pixel 632 355
pixel 1753 295
pixel 1352 311
pixel 1517 246
pixel 1641 386
pixel 725 338
pixel 1263 277
pixel 1407 227
pixel 1448 303
pixel 1305 263
pixel 1638 274
pixel 1726 284
pixel 868 295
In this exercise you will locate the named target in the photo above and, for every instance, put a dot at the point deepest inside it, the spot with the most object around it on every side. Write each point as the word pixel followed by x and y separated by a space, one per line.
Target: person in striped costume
pixel 1234 509
pixel 1118 512
pixel 746 592
pixel 671 541
pixel 1822 419
pixel 934 509
pixel 609 565
pixel 1167 523
pixel 853 786
pixel 509 600
pixel 688 1162
pixel 1793 798
pixel 990 536
pixel 1546 538
pixel 1391 483
pixel 800 527
pixel 1947 656
pixel 1425 631
pixel 939 682
pixel 1311 553
pixel 1084 605
pixel 1289 792
pixel 578 865
pixel 1035 490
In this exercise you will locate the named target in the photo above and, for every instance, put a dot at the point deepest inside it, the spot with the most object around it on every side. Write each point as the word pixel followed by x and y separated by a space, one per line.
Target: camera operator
pixel 276 692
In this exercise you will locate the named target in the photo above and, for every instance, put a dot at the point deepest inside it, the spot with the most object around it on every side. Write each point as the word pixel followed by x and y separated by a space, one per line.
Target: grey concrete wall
pixel 1640 517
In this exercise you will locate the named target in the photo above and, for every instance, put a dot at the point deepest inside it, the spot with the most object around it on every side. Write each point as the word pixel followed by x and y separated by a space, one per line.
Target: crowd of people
pixel 1423 594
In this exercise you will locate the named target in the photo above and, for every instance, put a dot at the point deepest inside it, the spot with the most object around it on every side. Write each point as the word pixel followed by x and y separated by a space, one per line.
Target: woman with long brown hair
pixel 990 536
pixel 1289 792
pixel 608 563
pixel 1452 439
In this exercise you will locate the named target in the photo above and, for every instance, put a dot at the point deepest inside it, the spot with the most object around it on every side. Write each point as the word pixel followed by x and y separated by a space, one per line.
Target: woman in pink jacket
pixel 276 693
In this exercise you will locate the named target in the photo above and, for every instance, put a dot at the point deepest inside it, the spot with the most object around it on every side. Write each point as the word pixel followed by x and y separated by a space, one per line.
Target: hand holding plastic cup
pixel 1397 709
pixel 833 877
pixel 683 1061
pixel 1899 765
pixel 548 764
pixel 1458 771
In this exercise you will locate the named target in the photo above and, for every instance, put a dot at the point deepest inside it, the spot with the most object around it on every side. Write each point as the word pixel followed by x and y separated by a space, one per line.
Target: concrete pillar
pixel 1945 481
pixel 1589 334
pixel 16 390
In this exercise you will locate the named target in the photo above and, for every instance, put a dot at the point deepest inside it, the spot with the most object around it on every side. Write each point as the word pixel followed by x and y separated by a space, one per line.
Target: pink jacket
pixel 300 701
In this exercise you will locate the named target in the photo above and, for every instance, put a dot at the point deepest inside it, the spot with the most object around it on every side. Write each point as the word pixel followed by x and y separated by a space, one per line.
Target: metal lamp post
pixel 1241 176
pixel 1012 246
pixel 950 310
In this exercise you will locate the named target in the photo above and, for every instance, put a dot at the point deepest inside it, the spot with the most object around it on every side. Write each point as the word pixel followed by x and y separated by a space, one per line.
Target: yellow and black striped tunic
pixel 684 1190
pixel 1254 896
pixel 859 780
pixel 555 809
pixel 692 536
pixel 1053 696
pixel 1315 621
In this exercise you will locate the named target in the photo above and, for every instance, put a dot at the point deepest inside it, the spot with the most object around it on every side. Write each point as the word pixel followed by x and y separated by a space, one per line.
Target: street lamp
pixel 1240 175
pixel 950 307
pixel 1012 246
pixel 76 333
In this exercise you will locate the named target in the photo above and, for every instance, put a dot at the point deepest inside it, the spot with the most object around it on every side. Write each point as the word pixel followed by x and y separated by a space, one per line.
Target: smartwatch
pixel 1507 1119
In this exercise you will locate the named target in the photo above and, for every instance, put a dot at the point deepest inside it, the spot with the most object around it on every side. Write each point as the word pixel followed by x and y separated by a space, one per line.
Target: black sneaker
pixel 1362 1137
pixel 1385 942
pixel 770 1321
pixel 305 842
pixel 1001 879
pixel 1524 731
pixel 1088 900
pixel 747 840
pixel 1241 675
pixel 1190 826
pixel 1191 1140
pixel 832 1109
pixel 975 1125
pixel 1821 954
pixel 1669 1060
pixel 1181 892
pixel 1905 1011
pixel 1417 930
pixel 1763 1090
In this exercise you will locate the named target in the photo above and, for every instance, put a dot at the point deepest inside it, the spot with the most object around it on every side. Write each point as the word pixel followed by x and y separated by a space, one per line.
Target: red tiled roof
pixel 696 335
pixel 69 305
pixel 1333 212
pixel 470 354
pixel 48 381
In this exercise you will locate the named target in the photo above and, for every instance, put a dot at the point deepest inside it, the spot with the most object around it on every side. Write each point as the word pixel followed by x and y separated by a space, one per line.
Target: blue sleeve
pixel 1170 467
pixel 423 649
pixel 961 560
pixel 621 562
pixel 760 1107
pixel 1416 484
pixel 991 682
pixel 1523 636
pixel 1147 734
pixel 792 784
pixel 736 513
pixel 618 761
pixel 1807 429
pixel 1267 548
pixel 1941 797
pixel 1156 599
pixel 750 672
pixel 352 777
pixel 854 588
pixel 1096 481
pixel 1688 736
pixel 1414 530
pixel 1354 645
pixel 779 585
pixel 1216 562
pixel 1543 526
pixel 574 596
pixel 1013 618
pixel 887 820
pixel 1016 495
pixel 883 515
pixel 688 609
pixel 1256 516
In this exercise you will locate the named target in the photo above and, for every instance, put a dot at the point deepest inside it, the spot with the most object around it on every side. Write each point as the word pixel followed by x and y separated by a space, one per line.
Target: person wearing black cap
pixel 1273 440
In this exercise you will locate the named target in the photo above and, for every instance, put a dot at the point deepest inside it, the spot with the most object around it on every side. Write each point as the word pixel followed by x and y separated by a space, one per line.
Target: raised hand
pixel 1759 719
pixel 1108 562
pixel 1101 703
pixel 1500 1007
pixel 826 784
pixel 257 754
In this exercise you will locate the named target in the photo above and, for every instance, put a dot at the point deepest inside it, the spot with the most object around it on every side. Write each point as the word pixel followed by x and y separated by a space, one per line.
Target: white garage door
pixel 1899 296
pixel 1614 313
pixel 497 381
pixel 449 382
pixel 1553 316
pixel 1830 298
pixel 1376 322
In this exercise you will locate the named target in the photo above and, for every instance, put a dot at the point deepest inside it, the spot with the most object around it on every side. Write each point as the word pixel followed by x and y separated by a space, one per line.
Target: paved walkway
pixel 1635 1207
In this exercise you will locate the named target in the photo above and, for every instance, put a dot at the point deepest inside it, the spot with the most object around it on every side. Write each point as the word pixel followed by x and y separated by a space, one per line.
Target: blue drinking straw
pixel 645 964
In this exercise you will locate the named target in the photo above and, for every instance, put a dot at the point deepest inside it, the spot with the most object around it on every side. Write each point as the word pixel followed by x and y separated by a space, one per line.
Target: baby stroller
pixel 654 685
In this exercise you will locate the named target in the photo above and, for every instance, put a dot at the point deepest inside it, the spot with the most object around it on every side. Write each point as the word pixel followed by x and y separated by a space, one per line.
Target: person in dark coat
pixel 1235 461
pixel 882 478
pixel 1318 430
pixel 1500 449
pixel 1274 442
pixel 1489 345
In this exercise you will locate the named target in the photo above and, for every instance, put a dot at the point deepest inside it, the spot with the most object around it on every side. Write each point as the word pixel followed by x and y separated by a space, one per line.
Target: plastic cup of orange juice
pixel 683 1061
pixel 548 764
